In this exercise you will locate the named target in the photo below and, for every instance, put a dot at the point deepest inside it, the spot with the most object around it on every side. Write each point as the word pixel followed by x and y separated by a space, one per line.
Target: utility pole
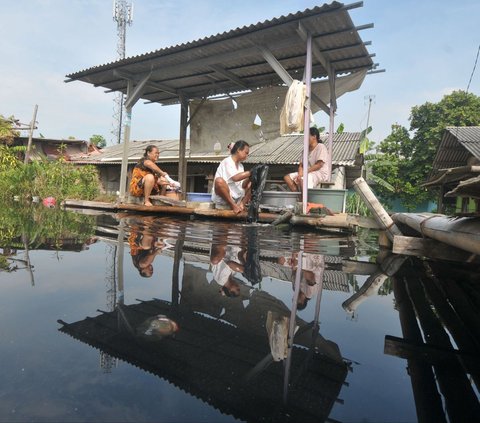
pixel 123 16
pixel 364 148
pixel 30 134
pixel 369 98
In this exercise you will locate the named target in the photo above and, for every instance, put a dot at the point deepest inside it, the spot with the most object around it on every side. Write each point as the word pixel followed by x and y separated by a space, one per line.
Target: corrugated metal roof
pixel 456 146
pixel 282 150
pixel 288 149
pixel 232 61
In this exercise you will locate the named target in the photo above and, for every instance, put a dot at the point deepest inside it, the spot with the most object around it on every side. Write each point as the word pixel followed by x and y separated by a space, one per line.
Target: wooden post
pixel 457 232
pixel 30 134
pixel 379 213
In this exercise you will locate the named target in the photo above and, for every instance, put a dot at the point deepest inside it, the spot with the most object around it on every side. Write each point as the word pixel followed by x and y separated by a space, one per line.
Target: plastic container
pixel 334 199
pixel 280 198
pixel 201 197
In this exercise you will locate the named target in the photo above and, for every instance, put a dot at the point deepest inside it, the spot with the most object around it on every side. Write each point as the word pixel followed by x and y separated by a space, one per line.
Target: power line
pixel 474 67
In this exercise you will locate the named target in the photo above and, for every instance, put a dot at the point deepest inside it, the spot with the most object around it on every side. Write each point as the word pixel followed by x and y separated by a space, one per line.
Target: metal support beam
pixel 133 95
pixel 285 76
pixel 182 160
pixel 137 92
pixel 276 65
pixel 126 140
pixel 315 50
pixel 229 75
pixel 204 99
pixel 306 121
pixel 150 84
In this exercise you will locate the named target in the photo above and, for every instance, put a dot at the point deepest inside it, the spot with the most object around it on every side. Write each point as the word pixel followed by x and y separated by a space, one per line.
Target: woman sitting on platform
pixel 231 185
pixel 317 169
pixel 146 176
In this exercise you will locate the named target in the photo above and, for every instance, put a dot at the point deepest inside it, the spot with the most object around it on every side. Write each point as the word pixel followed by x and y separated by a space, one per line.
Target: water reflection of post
pixel 120 253
pixel 435 350
pixel 176 267
pixel 387 268
pixel 27 258
pixel 291 328
pixel 427 399
pixel 460 400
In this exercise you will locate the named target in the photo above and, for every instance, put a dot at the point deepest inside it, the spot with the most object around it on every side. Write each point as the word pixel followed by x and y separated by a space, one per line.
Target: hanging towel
pixel 291 116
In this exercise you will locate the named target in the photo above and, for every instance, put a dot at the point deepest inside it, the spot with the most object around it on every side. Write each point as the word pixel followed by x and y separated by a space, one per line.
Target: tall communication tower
pixel 123 16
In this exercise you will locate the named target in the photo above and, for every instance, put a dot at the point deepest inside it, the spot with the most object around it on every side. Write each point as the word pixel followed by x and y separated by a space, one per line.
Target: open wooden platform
pixel 342 221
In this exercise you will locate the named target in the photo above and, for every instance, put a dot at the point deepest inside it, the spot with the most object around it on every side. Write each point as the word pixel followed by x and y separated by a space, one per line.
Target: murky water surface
pixel 140 318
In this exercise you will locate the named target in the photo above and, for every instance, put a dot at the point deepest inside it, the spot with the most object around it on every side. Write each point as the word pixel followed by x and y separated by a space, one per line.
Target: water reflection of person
pixel 226 261
pixel 313 267
pixel 144 247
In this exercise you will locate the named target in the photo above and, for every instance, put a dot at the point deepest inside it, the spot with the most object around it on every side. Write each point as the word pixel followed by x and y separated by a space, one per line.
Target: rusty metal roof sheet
pixel 233 61
pixel 456 146
pixel 282 150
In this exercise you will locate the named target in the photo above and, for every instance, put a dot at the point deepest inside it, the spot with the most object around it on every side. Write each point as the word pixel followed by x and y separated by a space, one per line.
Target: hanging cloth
pixel 291 116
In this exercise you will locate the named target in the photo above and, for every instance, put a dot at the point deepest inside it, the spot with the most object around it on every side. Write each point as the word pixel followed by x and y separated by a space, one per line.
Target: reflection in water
pixel 144 247
pixel 254 354
pixel 441 375
pixel 237 347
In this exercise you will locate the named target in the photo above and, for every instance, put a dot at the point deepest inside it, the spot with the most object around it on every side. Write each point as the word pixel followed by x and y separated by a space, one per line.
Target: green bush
pixel 57 179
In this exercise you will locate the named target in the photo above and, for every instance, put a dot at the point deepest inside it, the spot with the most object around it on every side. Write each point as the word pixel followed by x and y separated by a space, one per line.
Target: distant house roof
pixel 458 144
pixel 48 148
pixel 235 61
pixel 453 159
pixel 284 150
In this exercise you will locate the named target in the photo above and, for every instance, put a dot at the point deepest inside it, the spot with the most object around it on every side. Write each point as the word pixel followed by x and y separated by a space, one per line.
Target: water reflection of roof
pixel 210 360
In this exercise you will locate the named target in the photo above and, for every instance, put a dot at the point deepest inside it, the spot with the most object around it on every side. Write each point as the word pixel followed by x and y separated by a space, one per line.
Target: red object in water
pixel 49 202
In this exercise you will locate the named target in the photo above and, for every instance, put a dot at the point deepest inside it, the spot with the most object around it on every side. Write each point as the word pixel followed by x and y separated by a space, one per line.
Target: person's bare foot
pixel 148 203
pixel 237 208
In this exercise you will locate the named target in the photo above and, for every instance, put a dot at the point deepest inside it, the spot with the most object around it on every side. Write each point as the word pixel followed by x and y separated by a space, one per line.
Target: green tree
pixel 392 163
pixel 406 160
pixel 98 140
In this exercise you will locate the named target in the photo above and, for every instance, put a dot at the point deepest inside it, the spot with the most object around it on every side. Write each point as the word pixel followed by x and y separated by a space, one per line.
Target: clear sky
pixel 428 48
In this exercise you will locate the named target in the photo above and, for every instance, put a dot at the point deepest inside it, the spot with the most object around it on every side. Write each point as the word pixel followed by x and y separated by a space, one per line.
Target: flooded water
pixel 141 318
